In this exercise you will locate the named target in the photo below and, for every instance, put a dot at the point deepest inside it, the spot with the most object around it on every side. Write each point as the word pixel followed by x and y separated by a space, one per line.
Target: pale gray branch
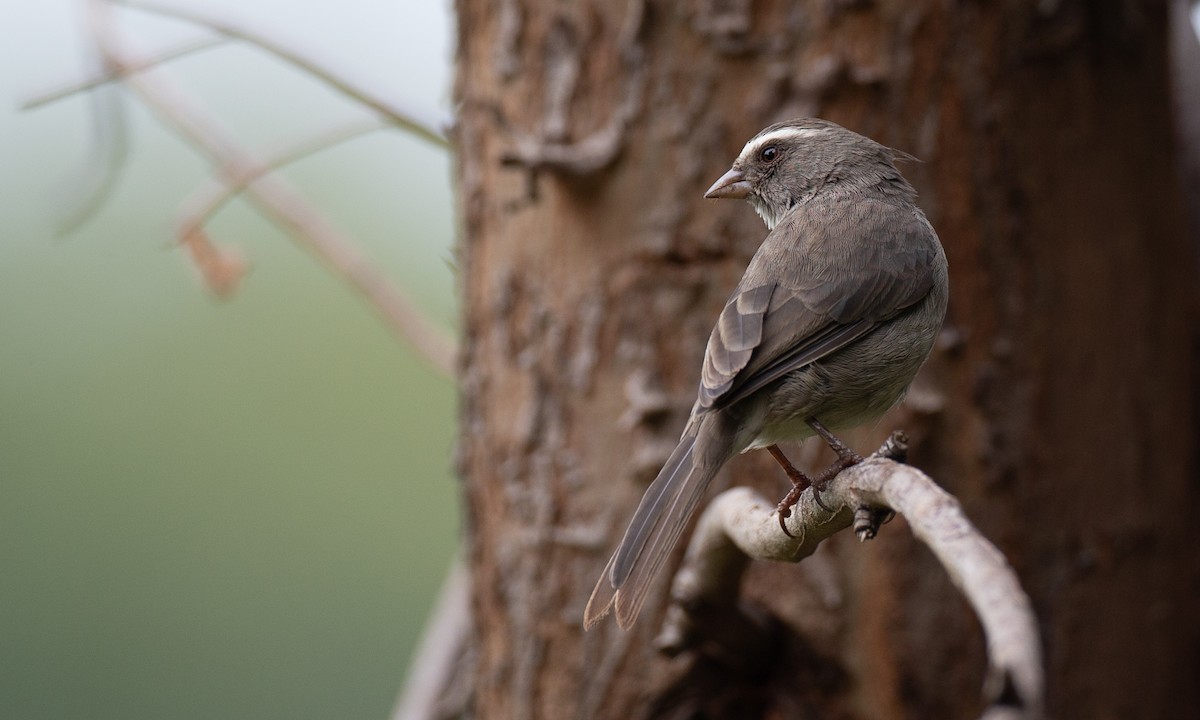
pixel 740 524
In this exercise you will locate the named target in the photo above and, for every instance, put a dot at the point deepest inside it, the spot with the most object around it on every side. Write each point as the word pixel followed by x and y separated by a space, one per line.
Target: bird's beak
pixel 732 184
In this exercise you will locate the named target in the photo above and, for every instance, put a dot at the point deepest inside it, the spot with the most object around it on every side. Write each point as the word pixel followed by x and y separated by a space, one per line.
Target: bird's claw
pixel 784 508
pixel 817 488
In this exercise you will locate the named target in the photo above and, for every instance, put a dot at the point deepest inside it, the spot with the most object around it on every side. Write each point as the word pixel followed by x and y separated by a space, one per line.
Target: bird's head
pixel 790 162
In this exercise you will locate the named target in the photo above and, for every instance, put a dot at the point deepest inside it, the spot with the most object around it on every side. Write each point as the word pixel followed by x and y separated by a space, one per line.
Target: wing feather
pixel 829 294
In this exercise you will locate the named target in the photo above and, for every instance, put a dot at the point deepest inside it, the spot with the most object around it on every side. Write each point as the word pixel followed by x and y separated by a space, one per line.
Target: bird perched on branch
pixel 835 314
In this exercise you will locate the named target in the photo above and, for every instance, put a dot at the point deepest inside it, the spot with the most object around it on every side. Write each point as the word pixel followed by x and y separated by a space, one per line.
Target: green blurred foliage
pixel 235 509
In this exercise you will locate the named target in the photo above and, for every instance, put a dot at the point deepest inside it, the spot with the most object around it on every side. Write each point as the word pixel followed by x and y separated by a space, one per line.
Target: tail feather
pixel 656 526
pixel 664 492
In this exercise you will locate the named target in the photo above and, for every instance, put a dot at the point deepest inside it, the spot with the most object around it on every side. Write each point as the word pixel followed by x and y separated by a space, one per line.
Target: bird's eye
pixel 769 154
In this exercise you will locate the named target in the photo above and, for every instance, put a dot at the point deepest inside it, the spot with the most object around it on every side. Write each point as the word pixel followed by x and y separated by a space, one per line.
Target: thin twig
pixel 401 117
pixel 106 76
pixel 273 196
pixel 741 524
pixel 108 151
pixel 208 201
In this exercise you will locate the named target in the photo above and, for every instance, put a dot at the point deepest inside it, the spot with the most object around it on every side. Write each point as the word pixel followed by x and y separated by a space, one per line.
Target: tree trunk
pixel 1059 406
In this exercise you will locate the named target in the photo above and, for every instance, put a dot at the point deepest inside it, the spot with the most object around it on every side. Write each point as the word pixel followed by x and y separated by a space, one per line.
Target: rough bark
pixel 1059 407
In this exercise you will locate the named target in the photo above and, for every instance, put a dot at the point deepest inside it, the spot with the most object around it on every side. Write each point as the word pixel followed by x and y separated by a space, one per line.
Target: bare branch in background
pixel 208 201
pixel 110 147
pixel 740 524
pixel 270 194
pixel 222 268
pixel 405 118
pixel 106 76
pixel 436 685
pixel 108 150
pixel 109 142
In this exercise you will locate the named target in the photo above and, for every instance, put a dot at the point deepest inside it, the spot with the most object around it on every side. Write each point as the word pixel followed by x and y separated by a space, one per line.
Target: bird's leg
pixel 846 458
pixel 800 482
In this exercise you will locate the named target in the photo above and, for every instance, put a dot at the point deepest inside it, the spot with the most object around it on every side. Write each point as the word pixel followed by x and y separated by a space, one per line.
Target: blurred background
pixel 219 509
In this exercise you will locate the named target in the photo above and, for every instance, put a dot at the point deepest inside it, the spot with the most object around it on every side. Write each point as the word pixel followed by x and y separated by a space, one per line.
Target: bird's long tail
pixel 659 520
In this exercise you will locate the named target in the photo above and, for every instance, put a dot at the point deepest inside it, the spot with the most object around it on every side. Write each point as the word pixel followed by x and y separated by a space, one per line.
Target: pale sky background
pixel 236 509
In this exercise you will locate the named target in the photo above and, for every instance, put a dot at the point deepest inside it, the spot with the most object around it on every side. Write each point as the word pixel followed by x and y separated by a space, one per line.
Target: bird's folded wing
pixel 827 300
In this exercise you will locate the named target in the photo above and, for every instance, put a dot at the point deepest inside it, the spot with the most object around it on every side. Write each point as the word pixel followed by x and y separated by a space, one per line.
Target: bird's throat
pixel 770 215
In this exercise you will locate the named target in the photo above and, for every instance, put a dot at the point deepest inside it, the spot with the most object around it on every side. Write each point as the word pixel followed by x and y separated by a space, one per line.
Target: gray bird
pixel 835 314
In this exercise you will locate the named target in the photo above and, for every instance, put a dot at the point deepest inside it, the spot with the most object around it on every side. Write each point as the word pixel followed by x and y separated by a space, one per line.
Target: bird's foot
pixel 784 508
pixel 820 482
pixel 846 458
pixel 800 483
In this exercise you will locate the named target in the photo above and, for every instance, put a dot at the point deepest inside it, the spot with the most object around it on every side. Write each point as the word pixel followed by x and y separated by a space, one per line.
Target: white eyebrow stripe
pixel 783 133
